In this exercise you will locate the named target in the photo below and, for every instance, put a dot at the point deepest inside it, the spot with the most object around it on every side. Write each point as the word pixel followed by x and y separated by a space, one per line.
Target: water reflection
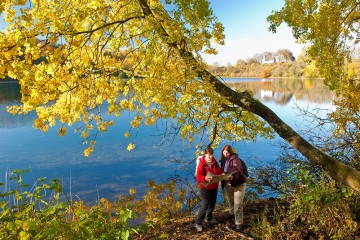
pixel 279 91
pixel 111 169
pixel 10 95
pixel 282 91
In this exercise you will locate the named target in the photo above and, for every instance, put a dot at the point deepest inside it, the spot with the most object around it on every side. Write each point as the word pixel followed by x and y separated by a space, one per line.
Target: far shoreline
pixel 276 78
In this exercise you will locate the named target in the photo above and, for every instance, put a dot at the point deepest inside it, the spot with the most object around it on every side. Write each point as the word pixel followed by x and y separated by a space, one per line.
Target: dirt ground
pixel 183 229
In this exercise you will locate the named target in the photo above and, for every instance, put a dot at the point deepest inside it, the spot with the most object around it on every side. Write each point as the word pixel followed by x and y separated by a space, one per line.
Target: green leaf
pixel 125 235
pixel 3 204
pixel 164 235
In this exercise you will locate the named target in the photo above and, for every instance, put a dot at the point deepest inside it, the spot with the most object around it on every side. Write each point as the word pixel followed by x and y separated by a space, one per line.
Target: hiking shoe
pixel 198 227
pixel 239 228
pixel 212 221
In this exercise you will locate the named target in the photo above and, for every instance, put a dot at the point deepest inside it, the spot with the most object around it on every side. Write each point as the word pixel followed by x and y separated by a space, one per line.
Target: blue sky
pixel 246 30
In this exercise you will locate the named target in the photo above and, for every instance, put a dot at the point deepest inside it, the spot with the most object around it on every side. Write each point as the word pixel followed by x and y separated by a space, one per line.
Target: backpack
pixel 244 168
pixel 240 177
pixel 197 163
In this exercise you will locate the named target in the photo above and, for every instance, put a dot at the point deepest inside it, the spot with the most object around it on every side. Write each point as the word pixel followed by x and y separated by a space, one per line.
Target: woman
pixel 235 188
pixel 208 193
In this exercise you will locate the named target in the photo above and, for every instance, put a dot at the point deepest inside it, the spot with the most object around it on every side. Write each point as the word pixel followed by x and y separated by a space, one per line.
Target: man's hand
pixel 208 178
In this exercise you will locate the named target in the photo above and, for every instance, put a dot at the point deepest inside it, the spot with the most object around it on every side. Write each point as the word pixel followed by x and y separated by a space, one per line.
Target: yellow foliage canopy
pixel 70 57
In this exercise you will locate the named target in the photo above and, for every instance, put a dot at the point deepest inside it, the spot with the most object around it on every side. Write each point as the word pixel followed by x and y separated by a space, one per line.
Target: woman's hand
pixel 208 178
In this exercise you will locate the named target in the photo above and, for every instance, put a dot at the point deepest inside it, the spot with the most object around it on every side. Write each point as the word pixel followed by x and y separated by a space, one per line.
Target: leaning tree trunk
pixel 337 170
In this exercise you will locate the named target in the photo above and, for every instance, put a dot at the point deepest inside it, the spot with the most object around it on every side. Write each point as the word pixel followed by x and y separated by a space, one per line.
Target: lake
pixel 111 169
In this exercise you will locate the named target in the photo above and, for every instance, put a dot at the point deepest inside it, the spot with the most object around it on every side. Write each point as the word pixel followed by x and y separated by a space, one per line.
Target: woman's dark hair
pixel 227 148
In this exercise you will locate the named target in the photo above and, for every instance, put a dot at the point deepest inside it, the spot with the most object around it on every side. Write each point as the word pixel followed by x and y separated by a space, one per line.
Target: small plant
pixel 161 202
pixel 27 213
pixel 102 221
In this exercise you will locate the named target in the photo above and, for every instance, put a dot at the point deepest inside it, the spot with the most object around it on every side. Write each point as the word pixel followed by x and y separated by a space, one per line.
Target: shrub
pixel 318 209
pixel 265 73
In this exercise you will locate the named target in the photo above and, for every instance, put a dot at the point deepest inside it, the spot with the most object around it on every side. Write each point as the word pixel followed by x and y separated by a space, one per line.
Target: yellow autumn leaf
pixel 62 131
pixel 130 146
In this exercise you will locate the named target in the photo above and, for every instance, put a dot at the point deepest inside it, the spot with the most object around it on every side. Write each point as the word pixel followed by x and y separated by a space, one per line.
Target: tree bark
pixel 337 170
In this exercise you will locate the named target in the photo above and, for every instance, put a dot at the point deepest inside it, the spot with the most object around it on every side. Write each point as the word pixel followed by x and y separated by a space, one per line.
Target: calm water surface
pixel 111 169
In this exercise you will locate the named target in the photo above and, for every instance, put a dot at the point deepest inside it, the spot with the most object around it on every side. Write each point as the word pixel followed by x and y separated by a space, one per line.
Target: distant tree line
pixel 283 65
